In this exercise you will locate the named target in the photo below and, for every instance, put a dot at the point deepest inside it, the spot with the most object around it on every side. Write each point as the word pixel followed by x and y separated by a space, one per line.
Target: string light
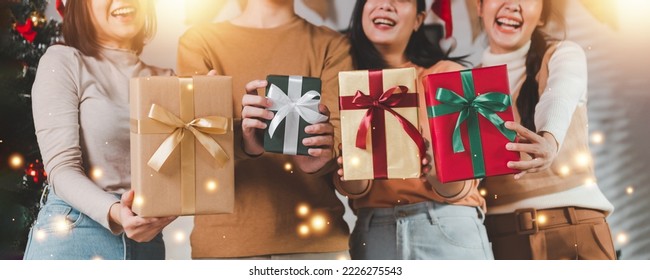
pixel 287 166
pixel 541 219
pixel 629 190
pixel 16 161
pixel 190 86
pixel 482 192
pixel 590 181
pixel 302 210
pixel 621 238
pixel 597 137
pixel 97 258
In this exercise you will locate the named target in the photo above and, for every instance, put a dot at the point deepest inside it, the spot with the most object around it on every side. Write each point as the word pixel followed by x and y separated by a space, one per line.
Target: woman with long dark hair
pixel 412 218
pixel 553 209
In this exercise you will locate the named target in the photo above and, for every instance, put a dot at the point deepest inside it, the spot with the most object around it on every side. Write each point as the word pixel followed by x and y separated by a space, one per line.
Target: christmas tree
pixel 25 34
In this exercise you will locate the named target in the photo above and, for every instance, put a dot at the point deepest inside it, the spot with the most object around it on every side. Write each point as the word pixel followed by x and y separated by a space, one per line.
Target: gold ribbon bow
pixel 200 128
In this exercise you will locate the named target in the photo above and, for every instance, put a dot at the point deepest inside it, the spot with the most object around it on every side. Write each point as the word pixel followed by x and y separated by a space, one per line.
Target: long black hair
pixel 420 50
pixel 529 93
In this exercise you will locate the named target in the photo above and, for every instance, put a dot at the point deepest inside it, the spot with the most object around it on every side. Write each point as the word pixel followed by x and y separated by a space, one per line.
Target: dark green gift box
pixel 295 102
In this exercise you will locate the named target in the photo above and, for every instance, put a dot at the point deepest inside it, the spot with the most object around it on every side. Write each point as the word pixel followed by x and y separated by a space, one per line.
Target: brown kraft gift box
pixel 182 160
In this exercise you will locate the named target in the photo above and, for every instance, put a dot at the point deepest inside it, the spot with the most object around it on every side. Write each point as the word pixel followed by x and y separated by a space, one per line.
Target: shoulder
pixel 202 31
pixel 324 33
pixel 61 53
pixel 569 48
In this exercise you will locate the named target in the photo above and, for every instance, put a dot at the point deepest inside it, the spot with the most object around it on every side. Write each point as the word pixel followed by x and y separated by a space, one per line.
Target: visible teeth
pixel 123 11
pixel 510 22
pixel 383 21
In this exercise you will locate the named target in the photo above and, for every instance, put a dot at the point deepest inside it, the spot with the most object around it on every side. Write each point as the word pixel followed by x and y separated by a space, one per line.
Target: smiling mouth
pixel 384 22
pixel 509 23
pixel 123 12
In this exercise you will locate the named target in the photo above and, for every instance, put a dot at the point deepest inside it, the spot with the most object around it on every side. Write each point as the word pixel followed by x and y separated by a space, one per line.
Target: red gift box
pixel 467 111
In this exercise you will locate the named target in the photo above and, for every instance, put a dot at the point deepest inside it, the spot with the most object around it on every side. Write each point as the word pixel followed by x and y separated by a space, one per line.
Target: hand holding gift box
pixel 182 145
pixel 294 102
pixel 379 120
pixel 467 114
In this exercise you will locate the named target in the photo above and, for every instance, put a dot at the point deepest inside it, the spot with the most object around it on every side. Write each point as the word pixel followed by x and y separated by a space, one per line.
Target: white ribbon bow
pixel 292 106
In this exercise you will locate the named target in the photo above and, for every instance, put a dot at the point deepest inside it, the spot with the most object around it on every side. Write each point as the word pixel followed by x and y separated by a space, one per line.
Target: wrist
pixel 252 148
pixel 114 218
pixel 550 139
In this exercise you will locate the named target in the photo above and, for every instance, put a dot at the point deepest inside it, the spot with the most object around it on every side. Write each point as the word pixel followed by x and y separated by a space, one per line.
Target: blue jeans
pixel 426 230
pixel 63 233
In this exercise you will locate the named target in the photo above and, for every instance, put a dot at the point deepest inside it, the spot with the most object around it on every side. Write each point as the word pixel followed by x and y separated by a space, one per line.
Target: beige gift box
pixel 390 151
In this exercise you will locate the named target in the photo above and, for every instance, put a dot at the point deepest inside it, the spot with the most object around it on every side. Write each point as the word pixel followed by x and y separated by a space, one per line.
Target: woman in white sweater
pixel 81 115
pixel 553 208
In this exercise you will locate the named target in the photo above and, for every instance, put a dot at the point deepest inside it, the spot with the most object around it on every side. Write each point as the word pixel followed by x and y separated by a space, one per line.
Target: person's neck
pixel 110 44
pixel 266 14
pixel 395 57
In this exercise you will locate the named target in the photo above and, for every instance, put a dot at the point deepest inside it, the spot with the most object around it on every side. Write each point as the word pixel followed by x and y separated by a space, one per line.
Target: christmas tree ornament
pixel 37 19
pixel 26 30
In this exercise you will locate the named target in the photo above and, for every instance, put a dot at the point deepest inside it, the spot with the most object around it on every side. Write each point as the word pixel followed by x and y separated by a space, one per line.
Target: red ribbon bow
pixel 384 102
pixel 27 30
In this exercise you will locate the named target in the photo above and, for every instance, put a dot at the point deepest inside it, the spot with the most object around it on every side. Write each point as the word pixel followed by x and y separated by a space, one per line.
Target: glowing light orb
pixel 16 161
pixel 597 138
pixel 302 210
pixel 318 223
pixel 211 186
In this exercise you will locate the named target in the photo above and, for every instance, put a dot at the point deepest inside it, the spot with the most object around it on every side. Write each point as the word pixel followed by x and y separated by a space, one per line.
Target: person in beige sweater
pixel 285 206
pixel 81 116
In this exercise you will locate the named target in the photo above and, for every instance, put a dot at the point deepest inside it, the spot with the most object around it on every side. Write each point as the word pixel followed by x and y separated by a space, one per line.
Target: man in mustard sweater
pixel 269 38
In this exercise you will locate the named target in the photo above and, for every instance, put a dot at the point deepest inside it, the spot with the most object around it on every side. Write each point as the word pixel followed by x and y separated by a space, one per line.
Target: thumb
pixel 127 198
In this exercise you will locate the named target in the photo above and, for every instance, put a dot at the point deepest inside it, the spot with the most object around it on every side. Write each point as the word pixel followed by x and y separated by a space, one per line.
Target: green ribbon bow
pixel 469 107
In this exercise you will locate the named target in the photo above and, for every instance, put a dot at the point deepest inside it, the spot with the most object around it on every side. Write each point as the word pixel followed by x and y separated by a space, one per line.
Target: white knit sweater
pixel 566 89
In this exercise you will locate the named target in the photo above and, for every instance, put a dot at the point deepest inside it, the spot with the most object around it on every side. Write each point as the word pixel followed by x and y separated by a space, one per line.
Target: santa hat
pixel 442 9
pixel 60 6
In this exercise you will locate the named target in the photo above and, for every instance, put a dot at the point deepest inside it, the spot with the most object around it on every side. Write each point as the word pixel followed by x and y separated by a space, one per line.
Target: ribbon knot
pixel 487 105
pixel 200 128
pixel 291 106
pixel 384 102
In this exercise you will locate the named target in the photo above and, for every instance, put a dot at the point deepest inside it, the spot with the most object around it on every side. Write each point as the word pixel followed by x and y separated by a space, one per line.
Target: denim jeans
pixel 426 230
pixel 63 233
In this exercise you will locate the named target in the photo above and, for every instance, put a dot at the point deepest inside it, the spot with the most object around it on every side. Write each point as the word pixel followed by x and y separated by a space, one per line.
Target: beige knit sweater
pixel 81 115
